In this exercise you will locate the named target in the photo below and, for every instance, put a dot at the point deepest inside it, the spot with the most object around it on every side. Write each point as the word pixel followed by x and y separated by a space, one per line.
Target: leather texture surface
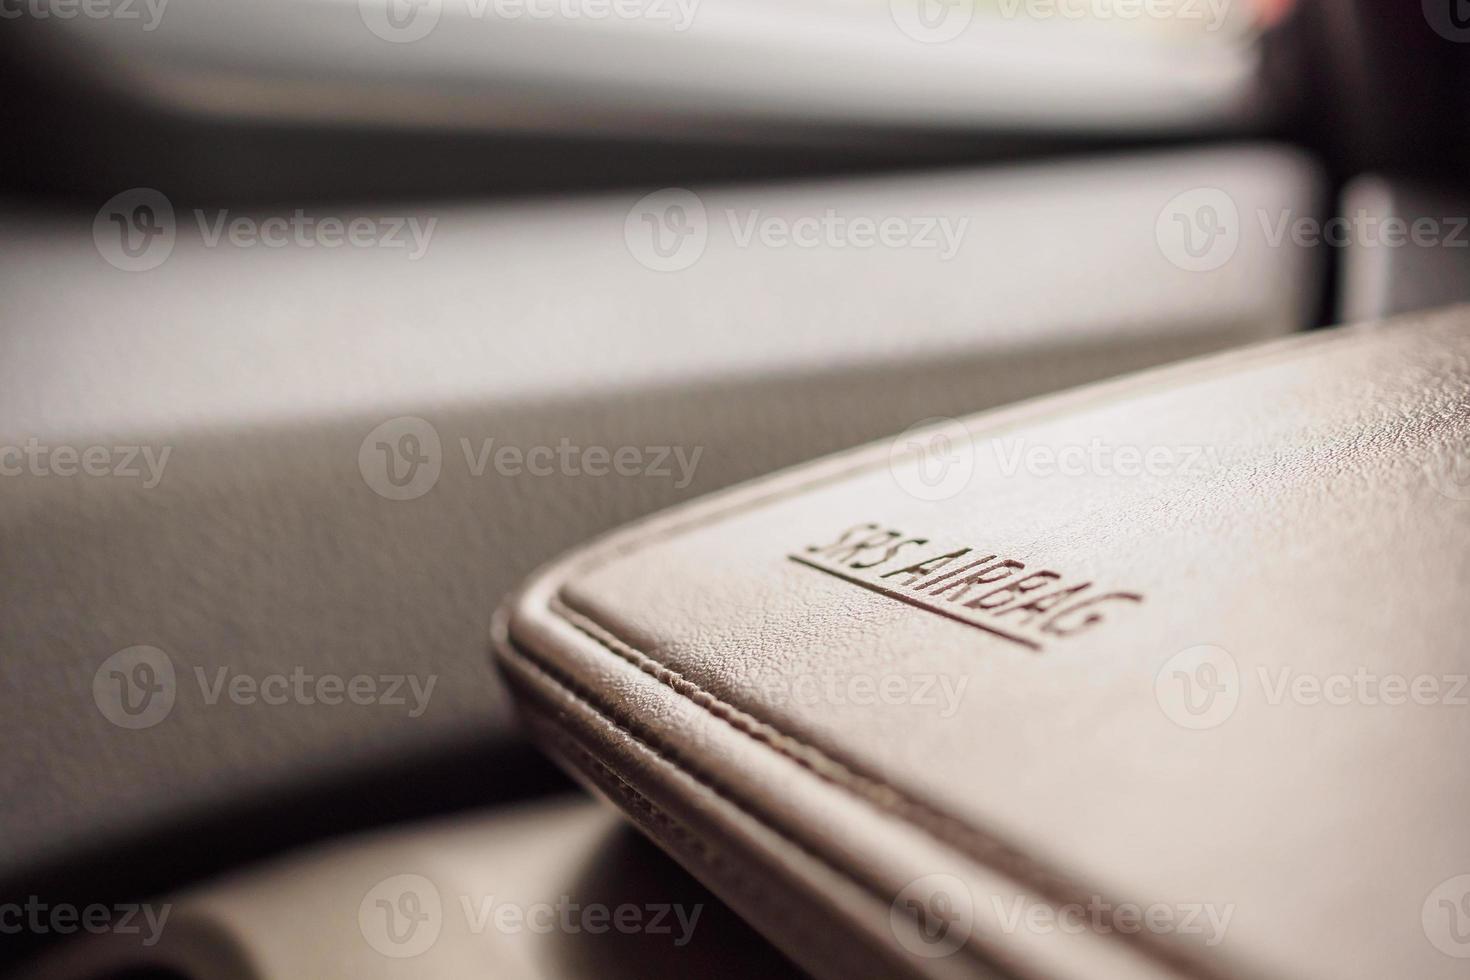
pixel 1201 631
pixel 263 549
pixel 559 888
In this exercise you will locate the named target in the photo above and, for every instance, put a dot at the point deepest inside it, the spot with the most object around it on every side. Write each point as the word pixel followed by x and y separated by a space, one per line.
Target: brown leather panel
pixel 1227 684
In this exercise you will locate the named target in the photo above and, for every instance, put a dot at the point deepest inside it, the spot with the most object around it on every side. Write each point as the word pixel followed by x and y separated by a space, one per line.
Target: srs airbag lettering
pixel 980 588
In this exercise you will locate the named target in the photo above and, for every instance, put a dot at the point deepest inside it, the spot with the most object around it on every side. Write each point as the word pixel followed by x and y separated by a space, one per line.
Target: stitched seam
pixel 883 795
pixel 668 824
pixel 579 694
pixel 965 838
pixel 674 828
